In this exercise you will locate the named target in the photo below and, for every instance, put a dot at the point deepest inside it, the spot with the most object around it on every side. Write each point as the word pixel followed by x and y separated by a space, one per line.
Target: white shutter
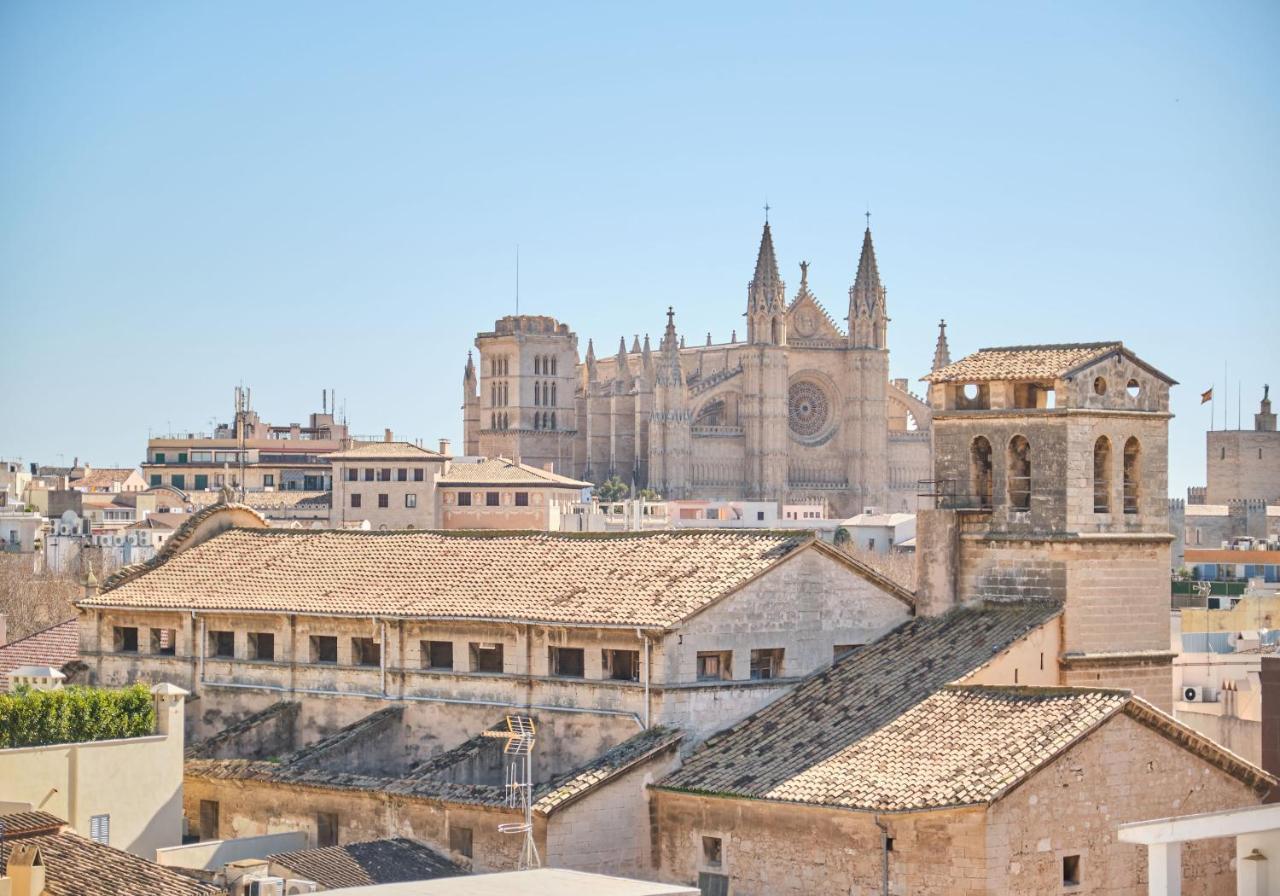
pixel 100 829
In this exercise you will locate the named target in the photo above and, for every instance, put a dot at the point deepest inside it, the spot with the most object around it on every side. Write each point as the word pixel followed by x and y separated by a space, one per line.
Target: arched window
pixel 493 421
pixel 537 421
pixel 1132 472
pixel 552 424
pixel 1019 474
pixel 552 402
pixel 1102 475
pixel 537 393
pixel 980 471
pixel 553 365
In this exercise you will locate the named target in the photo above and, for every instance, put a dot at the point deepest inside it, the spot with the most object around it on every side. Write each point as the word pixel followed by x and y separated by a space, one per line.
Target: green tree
pixel 842 536
pixel 612 489
pixel 648 494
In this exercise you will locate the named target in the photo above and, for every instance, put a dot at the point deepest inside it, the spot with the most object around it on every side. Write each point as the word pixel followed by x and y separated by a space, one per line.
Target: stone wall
pixel 1243 464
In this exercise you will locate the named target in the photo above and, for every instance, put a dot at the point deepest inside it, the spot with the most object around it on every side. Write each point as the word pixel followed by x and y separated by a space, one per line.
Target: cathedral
pixel 801 411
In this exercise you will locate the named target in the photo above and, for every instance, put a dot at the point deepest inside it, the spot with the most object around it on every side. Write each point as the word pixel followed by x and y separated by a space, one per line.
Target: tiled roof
pixel 609 764
pixel 16 824
pixel 75 866
pixel 373 862
pixel 386 451
pixel 1022 362
pixel 501 471
pixel 861 693
pixel 650 579
pixel 267 500
pixel 102 478
pixel 54 646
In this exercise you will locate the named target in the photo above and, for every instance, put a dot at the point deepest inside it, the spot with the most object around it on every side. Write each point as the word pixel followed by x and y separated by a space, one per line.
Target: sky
pixel 301 196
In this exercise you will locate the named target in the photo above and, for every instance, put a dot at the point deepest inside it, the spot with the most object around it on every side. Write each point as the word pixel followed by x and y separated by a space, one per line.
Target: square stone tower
pixel 1051 483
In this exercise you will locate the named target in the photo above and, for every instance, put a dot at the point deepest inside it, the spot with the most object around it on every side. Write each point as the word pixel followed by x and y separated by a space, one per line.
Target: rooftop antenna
pixel 520 738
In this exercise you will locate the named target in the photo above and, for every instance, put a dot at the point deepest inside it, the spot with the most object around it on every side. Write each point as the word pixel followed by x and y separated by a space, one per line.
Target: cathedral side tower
pixel 764 398
pixel 866 404
pixel 470 409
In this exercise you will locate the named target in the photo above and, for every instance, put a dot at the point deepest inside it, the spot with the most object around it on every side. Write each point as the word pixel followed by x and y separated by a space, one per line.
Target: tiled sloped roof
pixel 102 478
pixel 651 579
pixel 54 646
pixel 373 862
pixel 17 824
pixel 1022 362
pixel 612 762
pixel 75 866
pixel 500 471
pixel 386 451
pixel 868 689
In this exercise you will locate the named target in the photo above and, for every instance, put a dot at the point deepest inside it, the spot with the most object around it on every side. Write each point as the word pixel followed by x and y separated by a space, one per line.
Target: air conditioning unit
pixel 264 886
pixel 1199 694
pixel 293 887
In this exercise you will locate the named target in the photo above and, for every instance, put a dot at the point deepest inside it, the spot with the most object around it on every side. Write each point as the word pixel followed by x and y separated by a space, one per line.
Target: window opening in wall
pixel 486 657
pixel 1134 388
pixel 713 665
pixel 164 641
pixel 402 474
pixel 126 639
pixel 326 829
pixel 460 840
pixel 710 884
pixel 411 500
pixel 355 499
pixel 464 499
pixel 621 665
pixel 353 475
pixel 324 648
pixel 980 471
pixel 222 644
pixel 262 646
pixel 368 474
pixel 712 851
pixel 208 820
pixel 522 499
pixel 366 652
pixel 1019 474
pixel 766 663
pixel 1132 470
pixel 970 391
pixel 1102 475
pixel 100 829
pixel 568 662
pixel 491 499
pixel 1071 871
pixel 888 844
pixel 437 654
pixel 384 500
pixel 1100 386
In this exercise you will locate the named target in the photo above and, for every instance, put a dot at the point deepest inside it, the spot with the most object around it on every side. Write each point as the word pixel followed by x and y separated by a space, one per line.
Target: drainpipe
pixel 884 854
pixel 645 661
pixel 382 657
pixel 203 641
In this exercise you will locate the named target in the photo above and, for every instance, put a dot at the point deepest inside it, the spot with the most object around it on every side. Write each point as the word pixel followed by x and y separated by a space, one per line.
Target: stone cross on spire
pixel 941 354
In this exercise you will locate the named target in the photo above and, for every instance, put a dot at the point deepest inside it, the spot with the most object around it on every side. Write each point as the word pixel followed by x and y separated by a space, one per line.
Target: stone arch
pixel 1102 475
pixel 980 471
pixel 1132 474
pixel 1018 477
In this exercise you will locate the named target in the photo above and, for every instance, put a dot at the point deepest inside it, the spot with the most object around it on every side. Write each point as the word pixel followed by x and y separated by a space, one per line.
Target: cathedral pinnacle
pixel 765 292
pixel 941 354
pixel 867 318
pixel 469 372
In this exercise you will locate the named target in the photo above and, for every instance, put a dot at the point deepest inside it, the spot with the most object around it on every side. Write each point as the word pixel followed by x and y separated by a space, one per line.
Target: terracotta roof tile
pixel 650 579
pixel 499 470
pixel 54 646
pixel 1022 362
pixel 386 451
pixel 373 862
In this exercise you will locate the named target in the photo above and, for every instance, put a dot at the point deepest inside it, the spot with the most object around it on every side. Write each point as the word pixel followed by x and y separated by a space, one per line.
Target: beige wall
pixel 136 781
pixel 1243 464
pixel 395 515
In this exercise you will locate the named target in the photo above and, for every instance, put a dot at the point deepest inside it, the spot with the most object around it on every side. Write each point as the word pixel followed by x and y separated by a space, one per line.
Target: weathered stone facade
pixel 800 411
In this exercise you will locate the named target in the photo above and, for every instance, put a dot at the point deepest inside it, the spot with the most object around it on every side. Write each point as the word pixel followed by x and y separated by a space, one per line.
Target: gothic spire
pixel 469 372
pixel 591 352
pixel 866 286
pixel 941 354
pixel 669 371
pixel 646 356
pixel 624 369
pixel 765 292
pixel 867 317
pixel 635 345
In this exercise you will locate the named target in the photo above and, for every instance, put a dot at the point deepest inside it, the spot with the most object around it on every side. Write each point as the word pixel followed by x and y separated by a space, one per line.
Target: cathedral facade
pixel 800 411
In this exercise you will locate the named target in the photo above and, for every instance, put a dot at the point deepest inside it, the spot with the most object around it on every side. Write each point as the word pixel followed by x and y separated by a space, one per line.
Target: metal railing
pixel 946 495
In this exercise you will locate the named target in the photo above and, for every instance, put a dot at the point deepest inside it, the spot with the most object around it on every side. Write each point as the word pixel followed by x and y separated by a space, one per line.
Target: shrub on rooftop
pixel 73 715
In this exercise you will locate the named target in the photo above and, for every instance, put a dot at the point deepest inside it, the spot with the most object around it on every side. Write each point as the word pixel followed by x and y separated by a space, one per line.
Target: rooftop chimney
pixel 26 870
pixel 386 435
pixel 445 444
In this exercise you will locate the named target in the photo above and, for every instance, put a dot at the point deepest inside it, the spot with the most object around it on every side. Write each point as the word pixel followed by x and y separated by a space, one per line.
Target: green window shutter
pixel 202 481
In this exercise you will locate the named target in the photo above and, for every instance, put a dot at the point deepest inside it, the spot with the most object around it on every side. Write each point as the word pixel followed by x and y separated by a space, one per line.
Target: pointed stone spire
pixel 669 371
pixel 469 372
pixel 635 345
pixel 624 370
pixel 941 354
pixel 669 338
pixel 766 291
pixel 708 337
pixel 866 285
pixel 591 361
pixel 867 317
pixel 646 356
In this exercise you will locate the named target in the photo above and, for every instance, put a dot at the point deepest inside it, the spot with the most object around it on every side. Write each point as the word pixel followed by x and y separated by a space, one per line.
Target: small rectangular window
pixel 1071 871
pixel 759 514
pixel 712 851
pixel 410 500
pixel 402 474
pixel 126 639
pixel 486 657
pixel 324 648
pixel 622 665
pixel 383 500
pixel 155 479
pixel 208 820
pixel 714 665
pixel 353 475
pixel 366 652
pixel 159 457
pixel 326 829
pixel 711 884
pixel 464 499
pixel 368 474
pixel 269 480
pixel 262 646
pixel 355 499
pixel 522 499
pixel 568 662
pixel 418 474
pixel 384 475
pixel 100 829
pixel 437 654
pixel 222 644
pixel 460 840
pixel 164 641
pixel 766 664
pixel 491 499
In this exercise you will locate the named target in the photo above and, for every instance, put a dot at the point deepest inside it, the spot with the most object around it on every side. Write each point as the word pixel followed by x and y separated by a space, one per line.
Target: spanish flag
pixel 1206 395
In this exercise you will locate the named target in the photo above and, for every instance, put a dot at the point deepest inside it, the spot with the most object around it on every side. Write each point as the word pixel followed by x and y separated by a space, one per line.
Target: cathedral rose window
pixel 808 409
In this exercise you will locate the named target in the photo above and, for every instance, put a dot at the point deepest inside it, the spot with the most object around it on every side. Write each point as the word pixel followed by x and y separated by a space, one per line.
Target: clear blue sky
pixel 311 195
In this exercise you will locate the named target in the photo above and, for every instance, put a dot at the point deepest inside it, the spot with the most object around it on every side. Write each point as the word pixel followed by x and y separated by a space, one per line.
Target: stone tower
pixel 1051 469
pixel 764 391
pixel 670 432
pixel 470 409
pixel 867 446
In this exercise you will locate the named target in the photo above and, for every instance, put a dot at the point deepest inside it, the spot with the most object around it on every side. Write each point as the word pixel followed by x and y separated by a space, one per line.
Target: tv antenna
pixel 520 738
